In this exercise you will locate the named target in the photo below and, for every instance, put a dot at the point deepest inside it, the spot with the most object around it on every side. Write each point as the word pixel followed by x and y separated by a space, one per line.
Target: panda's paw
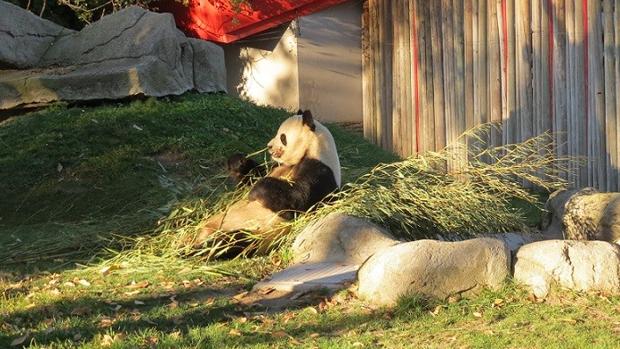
pixel 241 168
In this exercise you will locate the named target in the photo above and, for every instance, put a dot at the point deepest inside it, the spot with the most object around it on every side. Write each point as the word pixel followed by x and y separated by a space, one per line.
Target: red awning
pixel 218 20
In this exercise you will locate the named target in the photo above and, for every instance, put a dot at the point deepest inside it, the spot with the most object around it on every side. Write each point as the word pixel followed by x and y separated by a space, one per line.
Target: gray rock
pixel 514 241
pixel 130 33
pixel 340 238
pixel 131 52
pixel 209 66
pixel 583 214
pixel 577 265
pixel 25 37
pixel 433 268
pixel 105 80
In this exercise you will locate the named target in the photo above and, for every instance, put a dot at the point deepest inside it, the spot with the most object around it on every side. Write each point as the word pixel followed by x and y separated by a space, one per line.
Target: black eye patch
pixel 283 139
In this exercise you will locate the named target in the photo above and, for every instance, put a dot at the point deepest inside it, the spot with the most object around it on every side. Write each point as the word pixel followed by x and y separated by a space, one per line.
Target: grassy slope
pixel 111 183
pixel 86 173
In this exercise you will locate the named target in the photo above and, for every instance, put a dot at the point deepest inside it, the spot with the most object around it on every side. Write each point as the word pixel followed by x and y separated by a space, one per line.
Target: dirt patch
pixel 170 159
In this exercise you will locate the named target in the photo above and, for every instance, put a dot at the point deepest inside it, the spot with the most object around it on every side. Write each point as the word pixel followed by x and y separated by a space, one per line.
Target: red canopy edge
pixel 219 21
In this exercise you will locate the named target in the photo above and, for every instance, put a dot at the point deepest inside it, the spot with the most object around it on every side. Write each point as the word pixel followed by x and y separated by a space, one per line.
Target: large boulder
pixel 340 238
pixel 131 52
pixel 577 265
pixel 25 37
pixel 583 214
pixel 434 269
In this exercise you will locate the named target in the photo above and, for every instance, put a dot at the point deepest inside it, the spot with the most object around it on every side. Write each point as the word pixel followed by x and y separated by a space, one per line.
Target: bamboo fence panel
pixel 433 69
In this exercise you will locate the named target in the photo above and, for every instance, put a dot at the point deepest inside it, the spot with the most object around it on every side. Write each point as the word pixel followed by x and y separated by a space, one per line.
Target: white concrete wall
pixel 330 63
pixel 314 63
pixel 263 68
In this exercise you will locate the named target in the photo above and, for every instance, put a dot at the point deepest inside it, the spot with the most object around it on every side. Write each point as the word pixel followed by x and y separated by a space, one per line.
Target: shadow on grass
pixel 165 312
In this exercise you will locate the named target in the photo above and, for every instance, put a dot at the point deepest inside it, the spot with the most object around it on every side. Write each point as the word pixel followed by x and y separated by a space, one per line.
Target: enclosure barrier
pixel 432 69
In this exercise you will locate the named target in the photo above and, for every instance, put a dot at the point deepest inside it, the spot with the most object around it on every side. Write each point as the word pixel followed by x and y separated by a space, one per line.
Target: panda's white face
pixel 301 136
pixel 290 143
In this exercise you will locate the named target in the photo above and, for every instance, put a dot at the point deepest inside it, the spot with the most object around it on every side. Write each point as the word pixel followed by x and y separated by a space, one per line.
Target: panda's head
pixel 301 136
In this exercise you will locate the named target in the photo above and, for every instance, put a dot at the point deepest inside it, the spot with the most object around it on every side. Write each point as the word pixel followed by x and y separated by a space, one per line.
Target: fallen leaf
pixel 137 302
pixel 477 314
pixel 84 283
pixel 240 295
pixel 357 344
pixel 314 335
pixel 234 332
pixel 141 284
pixel 287 317
pixel 279 334
pixel 109 340
pixel 20 340
pixel 498 302
pixel 106 322
pixel 108 268
pixel 59 167
pixel 55 291
pixel 69 284
pixel 132 293
pixel 436 310
pixel 152 342
pixel 167 285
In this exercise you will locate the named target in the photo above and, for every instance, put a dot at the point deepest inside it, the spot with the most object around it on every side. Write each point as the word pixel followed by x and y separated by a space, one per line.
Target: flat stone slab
pixel 310 276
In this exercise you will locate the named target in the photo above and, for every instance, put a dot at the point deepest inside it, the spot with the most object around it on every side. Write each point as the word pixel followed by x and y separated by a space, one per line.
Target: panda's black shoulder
pixel 313 169
pixel 319 178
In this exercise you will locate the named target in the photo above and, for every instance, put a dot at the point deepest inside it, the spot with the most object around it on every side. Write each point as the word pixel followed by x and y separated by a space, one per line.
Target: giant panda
pixel 308 170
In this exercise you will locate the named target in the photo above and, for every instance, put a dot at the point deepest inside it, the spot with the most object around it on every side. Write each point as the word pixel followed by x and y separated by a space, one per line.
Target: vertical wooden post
pixel 610 153
pixel 439 99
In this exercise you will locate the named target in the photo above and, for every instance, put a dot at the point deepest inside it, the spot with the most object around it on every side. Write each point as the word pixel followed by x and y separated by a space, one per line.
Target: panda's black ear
pixel 307 120
pixel 299 112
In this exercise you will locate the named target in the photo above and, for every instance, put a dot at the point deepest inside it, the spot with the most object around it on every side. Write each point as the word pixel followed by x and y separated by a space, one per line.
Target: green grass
pixel 87 175
pixel 123 167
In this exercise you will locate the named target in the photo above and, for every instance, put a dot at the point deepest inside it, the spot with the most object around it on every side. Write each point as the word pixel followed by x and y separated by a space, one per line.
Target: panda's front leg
pixel 281 196
pixel 242 169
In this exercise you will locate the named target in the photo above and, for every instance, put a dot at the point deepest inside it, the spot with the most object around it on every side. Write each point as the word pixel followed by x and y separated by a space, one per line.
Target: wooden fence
pixel 434 68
